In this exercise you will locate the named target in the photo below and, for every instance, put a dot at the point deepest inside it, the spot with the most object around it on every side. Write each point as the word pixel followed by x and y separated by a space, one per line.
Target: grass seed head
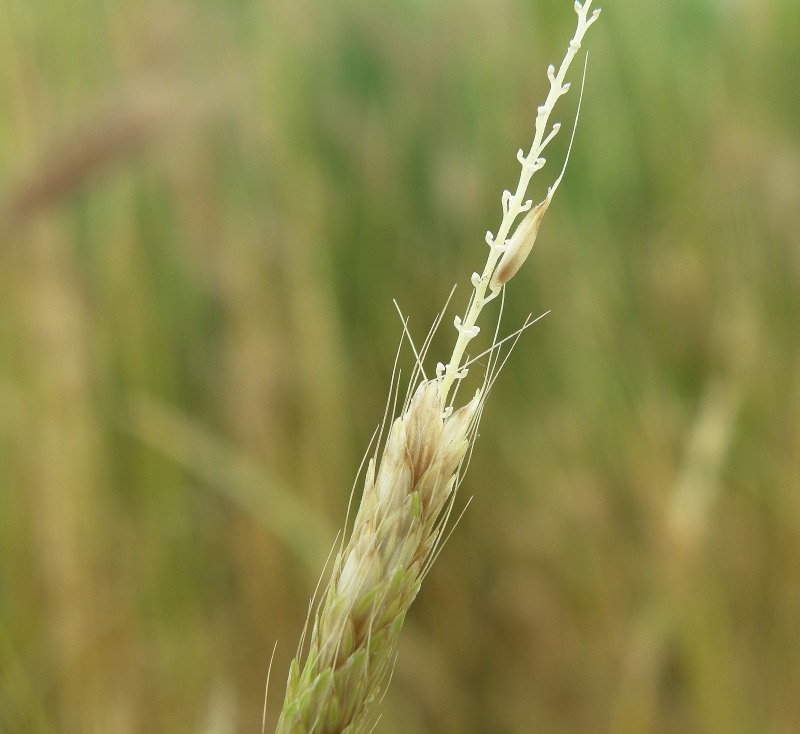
pixel 409 489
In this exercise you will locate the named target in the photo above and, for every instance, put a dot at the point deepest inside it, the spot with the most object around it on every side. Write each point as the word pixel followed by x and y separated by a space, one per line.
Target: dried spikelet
pixel 376 577
pixel 519 246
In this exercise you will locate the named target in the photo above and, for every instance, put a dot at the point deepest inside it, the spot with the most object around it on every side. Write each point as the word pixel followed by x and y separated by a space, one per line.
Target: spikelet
pixel 377 576
pixel 519 246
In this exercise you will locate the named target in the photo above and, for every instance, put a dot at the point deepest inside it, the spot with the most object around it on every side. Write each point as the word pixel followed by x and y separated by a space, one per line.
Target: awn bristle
pixel 406 501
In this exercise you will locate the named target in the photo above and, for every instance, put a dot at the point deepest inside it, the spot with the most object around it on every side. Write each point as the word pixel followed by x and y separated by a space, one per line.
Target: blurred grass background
pixel 205 210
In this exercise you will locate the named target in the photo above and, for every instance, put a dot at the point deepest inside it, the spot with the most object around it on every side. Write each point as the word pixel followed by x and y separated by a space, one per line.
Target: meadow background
pixel 205 211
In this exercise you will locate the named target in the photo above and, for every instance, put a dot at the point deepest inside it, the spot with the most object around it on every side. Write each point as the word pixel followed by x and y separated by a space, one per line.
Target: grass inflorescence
pixel 409 487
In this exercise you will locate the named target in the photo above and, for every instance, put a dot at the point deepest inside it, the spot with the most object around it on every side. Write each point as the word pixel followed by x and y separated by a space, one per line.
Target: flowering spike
pixel 409 489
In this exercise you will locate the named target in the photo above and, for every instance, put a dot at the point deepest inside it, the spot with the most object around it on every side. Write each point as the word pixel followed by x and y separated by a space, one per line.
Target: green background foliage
pixel 205 211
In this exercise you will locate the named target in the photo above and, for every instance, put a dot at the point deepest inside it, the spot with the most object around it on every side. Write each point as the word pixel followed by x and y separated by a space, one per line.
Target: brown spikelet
pixel 378 574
